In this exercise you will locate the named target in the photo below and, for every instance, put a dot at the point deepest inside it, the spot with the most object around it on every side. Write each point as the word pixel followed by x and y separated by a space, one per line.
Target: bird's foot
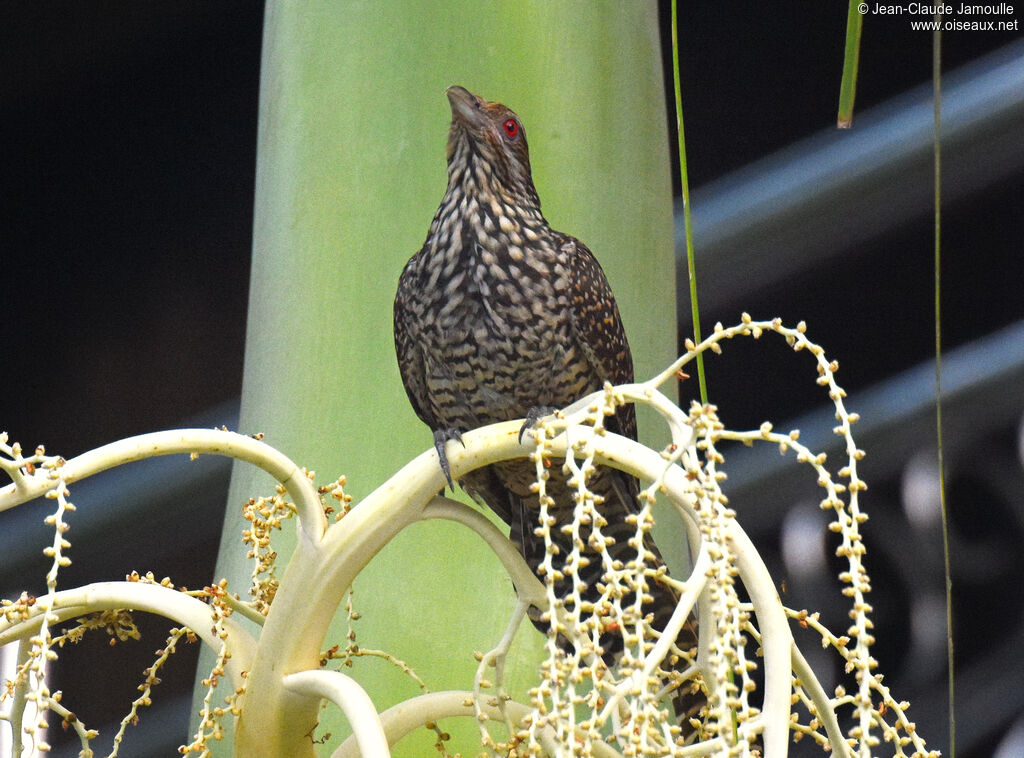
pixel 441 437
pixel 535 414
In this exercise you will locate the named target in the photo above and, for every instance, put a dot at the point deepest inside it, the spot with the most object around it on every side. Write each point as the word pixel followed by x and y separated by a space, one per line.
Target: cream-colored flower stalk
pixel 278 677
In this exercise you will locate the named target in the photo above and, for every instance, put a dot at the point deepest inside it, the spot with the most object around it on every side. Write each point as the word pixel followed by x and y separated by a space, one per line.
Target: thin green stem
pixel 937 97
pixel 851 62
pixel 684 182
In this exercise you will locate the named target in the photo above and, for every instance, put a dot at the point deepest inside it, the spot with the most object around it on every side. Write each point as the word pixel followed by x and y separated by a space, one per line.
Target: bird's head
pixel 487 145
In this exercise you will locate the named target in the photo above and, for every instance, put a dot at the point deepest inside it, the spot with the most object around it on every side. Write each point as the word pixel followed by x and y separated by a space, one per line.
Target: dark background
pixel 128 152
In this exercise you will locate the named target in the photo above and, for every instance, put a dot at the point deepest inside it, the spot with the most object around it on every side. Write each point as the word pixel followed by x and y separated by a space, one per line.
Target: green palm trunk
pixel 351 167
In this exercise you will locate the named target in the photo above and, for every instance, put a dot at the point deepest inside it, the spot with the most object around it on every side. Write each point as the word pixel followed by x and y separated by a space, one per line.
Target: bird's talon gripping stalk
pixel 535 414
pixel 441 437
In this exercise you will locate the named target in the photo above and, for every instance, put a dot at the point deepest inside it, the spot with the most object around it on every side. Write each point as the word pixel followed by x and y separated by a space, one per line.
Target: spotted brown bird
pixel 500 317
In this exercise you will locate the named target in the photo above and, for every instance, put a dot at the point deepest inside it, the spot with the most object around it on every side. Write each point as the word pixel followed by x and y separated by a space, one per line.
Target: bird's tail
pixel 600 559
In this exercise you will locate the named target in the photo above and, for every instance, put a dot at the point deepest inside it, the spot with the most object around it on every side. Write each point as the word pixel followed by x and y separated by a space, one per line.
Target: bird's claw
pixel 535 414
pixel 441 437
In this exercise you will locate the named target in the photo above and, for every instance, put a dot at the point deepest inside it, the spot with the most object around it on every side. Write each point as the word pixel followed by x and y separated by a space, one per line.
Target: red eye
pixel 511 128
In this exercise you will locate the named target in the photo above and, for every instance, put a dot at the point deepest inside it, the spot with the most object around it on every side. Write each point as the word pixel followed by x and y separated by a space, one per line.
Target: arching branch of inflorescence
pixel 581 705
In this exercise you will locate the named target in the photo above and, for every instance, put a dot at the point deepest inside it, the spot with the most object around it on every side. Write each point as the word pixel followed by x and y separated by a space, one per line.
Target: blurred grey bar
pixel 816 199
pixel 982 385
pixel 128 494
